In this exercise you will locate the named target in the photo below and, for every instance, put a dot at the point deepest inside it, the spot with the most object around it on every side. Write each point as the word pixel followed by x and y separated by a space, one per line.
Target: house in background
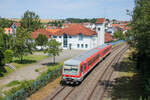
pixel 12 29
pixel 8 31
pixel 76 36
pixel 100 29
pixel 108 37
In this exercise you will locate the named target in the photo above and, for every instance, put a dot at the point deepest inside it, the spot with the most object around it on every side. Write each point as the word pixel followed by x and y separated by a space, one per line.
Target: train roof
pixel 78 59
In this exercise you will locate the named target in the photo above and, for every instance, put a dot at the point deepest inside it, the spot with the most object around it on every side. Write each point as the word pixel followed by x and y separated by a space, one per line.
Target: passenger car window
pixel 81 68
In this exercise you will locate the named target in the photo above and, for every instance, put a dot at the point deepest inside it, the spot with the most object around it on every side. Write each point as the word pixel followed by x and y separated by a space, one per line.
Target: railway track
pixel 88 85
pixel 99 90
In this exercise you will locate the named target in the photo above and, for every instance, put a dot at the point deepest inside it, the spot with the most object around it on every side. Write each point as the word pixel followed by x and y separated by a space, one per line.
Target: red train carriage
pixel 76 68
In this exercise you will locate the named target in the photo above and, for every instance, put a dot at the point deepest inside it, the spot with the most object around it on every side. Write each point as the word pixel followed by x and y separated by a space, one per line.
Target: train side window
pixel 85 66
pixel 81 68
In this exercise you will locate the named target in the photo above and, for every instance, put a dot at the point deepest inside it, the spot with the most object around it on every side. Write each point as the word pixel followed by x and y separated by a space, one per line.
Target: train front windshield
pixel 70 69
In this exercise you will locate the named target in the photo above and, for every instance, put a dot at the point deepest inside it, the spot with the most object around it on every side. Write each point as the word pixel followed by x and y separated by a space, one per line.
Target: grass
pixel 127 85
pixel 13 83
pixel 29 59
pixel 36 70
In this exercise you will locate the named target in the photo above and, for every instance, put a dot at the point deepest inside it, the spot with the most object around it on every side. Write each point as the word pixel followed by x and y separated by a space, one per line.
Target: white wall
pixel 91 42
pixel 101 32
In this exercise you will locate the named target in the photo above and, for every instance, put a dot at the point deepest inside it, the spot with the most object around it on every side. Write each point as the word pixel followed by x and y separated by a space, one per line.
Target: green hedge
pixel 27 88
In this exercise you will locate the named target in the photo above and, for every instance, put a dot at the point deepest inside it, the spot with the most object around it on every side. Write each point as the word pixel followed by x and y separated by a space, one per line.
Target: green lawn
pixel 13 83
pixel 28 60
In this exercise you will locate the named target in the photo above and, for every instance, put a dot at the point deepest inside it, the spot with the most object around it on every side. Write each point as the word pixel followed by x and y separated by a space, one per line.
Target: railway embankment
pixel 125 82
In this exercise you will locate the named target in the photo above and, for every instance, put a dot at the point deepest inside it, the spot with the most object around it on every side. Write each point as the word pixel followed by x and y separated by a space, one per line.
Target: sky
pixel 61 9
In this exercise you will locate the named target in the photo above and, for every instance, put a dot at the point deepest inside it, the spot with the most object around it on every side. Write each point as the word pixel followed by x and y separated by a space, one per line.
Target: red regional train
pixel 75 69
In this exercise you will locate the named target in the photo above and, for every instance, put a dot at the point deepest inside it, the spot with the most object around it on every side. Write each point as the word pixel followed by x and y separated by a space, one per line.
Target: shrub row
pixel 27 88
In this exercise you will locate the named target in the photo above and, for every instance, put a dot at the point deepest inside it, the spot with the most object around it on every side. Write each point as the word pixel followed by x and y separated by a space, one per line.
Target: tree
pixel 56 23
pixel 53 48
pixel 5 23
pixel 2 59
pixel 4 40
pixel 41 40
pixel 30 21
pixel 114 20
pixel 140 33
pixel 119 35
pixel 23 43
pixel 8 54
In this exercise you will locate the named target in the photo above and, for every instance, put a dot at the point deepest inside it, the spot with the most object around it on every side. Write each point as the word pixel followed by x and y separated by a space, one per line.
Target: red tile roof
pixel 53 31
pixel 115 25
pixel 108 37
pixel 75 29
pixel 100 20
pixel 72 30
pixel 122 26
pixel 40 31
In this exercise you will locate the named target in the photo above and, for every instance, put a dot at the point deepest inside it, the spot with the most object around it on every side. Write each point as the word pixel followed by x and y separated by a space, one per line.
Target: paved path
pixel 28 72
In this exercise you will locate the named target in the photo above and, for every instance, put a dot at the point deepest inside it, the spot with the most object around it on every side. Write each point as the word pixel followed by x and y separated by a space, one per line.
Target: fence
pixel 23 93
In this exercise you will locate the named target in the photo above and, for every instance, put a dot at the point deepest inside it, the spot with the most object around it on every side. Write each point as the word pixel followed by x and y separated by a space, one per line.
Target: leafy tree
pixel 56 23
pixel 4 40
pixel 41 40
pixel 2 59
pixel 141 42
pixel 23 43
pixel 53 48
pixel 78 20
pixel 114 20
pixel 119 35
pixel 8 54
pixel 5 23
pixel 30 21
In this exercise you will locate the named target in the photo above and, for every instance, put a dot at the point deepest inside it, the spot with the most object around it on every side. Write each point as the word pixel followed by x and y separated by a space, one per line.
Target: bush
pixel 15 82
pixel 8 56
pixel 36 70
pixel 27 88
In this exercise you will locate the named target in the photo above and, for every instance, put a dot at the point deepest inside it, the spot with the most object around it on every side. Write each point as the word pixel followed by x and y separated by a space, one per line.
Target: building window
pixel 80 37
pixel 82 46
pixel 99 29
pixel 59 36
pixel 86 45
pixel 78 45
pixel 70 36
pixel 65 41
pixel 54 36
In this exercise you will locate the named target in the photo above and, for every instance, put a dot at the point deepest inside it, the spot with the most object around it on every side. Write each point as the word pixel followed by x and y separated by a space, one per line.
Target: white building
pixel 100 29
pixel 76 36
